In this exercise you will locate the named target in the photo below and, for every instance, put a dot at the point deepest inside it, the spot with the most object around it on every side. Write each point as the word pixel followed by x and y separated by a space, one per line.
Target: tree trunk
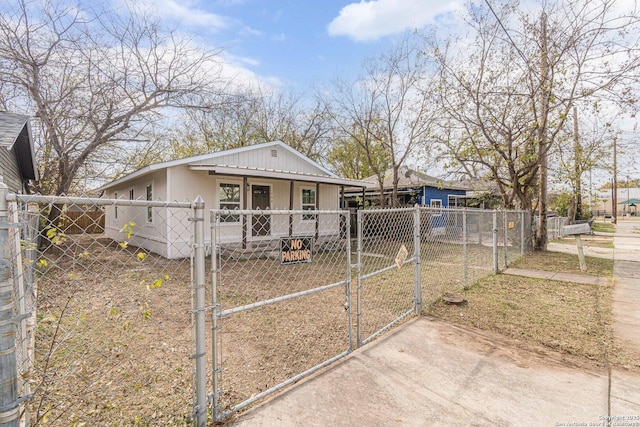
pixel 542 240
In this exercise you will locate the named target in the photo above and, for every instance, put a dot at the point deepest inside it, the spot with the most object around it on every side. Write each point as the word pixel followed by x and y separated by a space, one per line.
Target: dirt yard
pixel 114 339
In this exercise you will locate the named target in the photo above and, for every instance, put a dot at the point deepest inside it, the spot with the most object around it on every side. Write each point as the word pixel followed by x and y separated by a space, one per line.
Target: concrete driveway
pixel 429 373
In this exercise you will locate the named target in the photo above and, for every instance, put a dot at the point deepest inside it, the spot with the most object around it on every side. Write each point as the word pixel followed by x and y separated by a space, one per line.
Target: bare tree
pixel 390 106
pixel 93 80
pixel 510 91
pixel 250 116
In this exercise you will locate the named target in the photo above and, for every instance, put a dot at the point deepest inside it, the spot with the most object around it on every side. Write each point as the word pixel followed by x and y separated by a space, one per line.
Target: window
pixel 308 202
pixel 149 208
pixel 115 207
pixel 131 194
pixel 229 199
pixel 437 203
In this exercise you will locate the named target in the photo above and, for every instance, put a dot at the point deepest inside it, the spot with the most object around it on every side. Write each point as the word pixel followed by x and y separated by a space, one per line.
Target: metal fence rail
pixel 281 300
pixel 106 335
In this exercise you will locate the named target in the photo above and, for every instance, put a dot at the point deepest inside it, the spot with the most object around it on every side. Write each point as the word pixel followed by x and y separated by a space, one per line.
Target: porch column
pixel 244 218
pixel 291 207
pixel 317 208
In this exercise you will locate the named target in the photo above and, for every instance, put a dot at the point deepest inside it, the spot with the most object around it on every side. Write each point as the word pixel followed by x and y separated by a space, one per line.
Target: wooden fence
pixel 87 222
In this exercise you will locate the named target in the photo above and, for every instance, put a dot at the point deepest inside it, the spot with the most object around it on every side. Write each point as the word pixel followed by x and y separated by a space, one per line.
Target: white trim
pixel 275 174
pixel 220 183
pixel 316 201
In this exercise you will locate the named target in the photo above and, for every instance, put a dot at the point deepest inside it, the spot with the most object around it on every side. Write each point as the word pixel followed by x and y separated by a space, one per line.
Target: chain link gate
pixel 388 269
pixel 280 300
pixel 105 330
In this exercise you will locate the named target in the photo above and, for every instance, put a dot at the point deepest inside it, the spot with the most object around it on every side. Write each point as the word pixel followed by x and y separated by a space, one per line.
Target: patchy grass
pixel 589 241
pixel 603 227
pixel 564 263
pixel 572 318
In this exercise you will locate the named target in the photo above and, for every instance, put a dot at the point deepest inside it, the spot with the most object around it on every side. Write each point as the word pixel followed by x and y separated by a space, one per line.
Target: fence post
pixel 9 406
pixel 495 241
pixel 464 247
pixel 349 302
pixel 417 260
pixel 214 220
pixel 522 219
pixel 358 278
pixel 505 231
pixel 200 356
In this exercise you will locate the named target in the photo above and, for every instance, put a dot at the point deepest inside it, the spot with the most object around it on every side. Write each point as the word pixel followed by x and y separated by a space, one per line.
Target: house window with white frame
pixel 308 202
pixel 149 208
pixel 229 195
pixel 115 207
pixel 437 203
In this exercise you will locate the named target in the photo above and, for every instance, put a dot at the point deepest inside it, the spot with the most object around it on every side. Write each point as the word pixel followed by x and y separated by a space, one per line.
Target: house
pixel 268 176
pixel 413 187
pixel 17 156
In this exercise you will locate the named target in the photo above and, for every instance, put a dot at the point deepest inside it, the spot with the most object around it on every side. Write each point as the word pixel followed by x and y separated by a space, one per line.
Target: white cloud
pixel 371 20
pixel 185 12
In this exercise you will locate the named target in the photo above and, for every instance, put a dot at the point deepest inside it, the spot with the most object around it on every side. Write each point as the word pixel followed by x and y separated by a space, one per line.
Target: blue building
pixel 413 187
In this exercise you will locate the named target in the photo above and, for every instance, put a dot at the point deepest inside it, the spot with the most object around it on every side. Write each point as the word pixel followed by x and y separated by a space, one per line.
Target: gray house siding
pixel 17 158
pixel 9 170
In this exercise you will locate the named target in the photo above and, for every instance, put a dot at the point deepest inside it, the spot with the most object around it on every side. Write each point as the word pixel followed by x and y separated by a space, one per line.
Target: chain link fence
pixel 111 313
pixel 554 227
pixel 107 336
pixel 281 300
pixel 413 256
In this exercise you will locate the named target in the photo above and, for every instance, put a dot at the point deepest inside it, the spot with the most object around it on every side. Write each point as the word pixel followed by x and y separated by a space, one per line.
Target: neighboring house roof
pixel 15 133
pixel 409 178
pixel 211 162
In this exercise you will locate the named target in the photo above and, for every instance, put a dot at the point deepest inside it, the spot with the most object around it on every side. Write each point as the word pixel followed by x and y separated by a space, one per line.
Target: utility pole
pixel 577 166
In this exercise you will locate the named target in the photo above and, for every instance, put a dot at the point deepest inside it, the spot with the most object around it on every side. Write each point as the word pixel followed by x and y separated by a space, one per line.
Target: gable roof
pixel 208 162
pixel 409 178
pixel 15 133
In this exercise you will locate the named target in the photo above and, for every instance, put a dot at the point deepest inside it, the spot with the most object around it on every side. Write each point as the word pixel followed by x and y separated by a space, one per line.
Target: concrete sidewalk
pixel 429 373
pixel 626 293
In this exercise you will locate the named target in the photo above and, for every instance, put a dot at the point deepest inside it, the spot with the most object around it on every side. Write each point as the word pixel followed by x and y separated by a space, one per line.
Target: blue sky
pixel 299 43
